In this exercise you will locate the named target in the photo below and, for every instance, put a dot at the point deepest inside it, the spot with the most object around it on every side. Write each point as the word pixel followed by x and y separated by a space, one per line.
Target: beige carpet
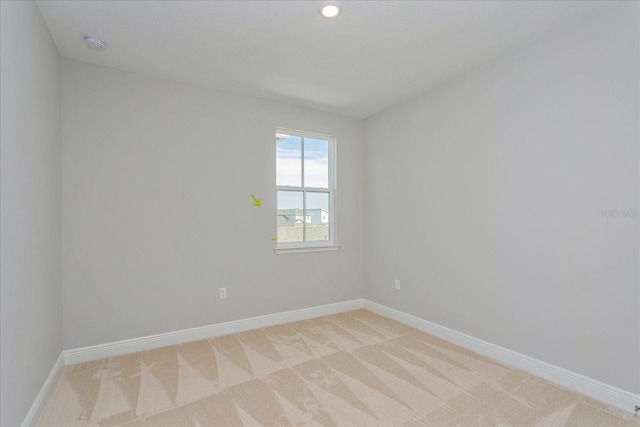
pixel 349 369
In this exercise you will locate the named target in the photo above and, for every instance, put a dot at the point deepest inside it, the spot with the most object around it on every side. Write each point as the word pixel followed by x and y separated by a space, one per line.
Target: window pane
pixel 288 160
pixel 290 216
pixel 318 216
pixel 316 163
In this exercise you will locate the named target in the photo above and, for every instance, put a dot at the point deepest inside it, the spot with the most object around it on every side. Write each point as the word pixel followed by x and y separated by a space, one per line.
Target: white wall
pixel 485 198
pixel 157 213
pixel 30 271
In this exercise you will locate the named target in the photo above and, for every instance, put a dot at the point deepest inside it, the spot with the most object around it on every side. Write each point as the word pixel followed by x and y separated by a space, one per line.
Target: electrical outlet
pixel 223 293
pixel 396 285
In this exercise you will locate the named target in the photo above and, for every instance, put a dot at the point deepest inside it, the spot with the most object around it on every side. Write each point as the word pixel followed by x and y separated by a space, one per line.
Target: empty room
pixel 370 213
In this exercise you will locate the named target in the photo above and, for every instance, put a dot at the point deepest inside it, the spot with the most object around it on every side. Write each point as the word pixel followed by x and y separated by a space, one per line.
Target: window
pixel 305 184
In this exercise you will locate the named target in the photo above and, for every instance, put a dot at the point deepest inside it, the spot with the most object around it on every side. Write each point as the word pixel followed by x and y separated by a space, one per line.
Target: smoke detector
pixel 95 43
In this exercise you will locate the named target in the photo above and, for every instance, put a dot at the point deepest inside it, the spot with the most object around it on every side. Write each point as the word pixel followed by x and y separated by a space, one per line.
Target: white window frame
pixel 316 245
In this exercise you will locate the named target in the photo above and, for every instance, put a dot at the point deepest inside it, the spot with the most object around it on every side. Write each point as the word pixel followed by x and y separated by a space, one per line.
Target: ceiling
pixel 374 55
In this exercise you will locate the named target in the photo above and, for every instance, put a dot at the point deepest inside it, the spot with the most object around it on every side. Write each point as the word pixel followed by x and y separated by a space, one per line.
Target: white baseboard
pixel 603 392
pixel 118 348
pixel 41 399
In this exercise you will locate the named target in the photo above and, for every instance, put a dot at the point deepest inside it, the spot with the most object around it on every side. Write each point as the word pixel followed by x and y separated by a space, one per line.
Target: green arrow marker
pixel 256 201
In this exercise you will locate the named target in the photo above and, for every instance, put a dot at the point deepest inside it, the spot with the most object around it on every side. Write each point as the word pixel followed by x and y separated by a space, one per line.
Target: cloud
pixel 289 169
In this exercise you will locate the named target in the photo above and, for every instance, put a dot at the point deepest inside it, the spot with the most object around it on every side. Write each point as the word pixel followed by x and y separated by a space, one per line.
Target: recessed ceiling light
pixel 95 43
pixel 330 9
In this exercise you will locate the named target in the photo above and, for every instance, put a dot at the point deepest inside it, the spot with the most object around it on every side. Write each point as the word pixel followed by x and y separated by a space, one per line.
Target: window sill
pixel 301 249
